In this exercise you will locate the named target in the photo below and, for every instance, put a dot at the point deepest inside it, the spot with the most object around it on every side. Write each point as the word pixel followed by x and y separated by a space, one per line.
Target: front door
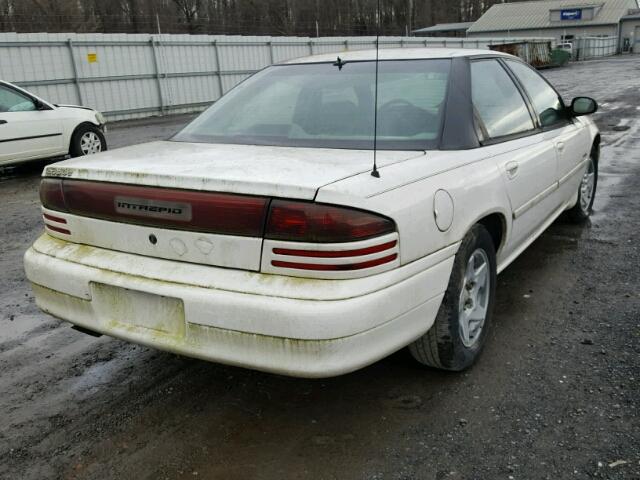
pixel 27 132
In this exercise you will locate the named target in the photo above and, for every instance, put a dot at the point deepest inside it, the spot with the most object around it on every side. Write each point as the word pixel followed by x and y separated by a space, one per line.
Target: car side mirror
pixel 583 106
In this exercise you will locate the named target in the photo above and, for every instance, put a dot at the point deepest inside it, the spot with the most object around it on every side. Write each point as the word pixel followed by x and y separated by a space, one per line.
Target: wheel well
pixel 80 125
pixel 496 226
pixel 75 130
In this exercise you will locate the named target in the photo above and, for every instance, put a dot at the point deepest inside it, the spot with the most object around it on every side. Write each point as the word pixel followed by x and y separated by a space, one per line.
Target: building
pixel 630 32
pixel 444 30
pixel 564 20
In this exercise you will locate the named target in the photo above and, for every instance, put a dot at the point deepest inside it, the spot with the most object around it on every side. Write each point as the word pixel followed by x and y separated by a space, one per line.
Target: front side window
pixel 12 101
pixel 328 106
pixel 497 100
pixel 546 102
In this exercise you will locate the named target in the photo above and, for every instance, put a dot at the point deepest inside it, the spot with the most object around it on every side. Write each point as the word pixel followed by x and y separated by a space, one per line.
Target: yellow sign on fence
pixel 92 57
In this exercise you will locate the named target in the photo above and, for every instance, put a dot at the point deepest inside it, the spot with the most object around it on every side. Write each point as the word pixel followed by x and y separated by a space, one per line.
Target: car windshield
pixel 326 105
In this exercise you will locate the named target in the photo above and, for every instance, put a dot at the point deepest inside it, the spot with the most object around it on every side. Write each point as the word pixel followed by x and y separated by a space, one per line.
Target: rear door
pixel 526 156
pixel 27 132
pixel 569 137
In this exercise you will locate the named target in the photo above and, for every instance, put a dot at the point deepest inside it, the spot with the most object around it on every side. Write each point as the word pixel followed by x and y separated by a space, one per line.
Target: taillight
pixel 222 213
pixel 51 195
pixel 317 223
pixel 325 241
pixel 300 238
pixel 335 267
pixel 294 252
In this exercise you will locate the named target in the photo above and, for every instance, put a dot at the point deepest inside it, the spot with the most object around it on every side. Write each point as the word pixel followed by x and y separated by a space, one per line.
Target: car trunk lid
pixel 255 170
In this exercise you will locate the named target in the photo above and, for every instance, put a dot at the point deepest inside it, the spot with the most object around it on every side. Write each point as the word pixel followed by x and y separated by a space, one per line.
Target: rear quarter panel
pixel 405 192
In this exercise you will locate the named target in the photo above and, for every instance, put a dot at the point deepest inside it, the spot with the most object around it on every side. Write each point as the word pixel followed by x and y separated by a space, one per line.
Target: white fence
pixel 130 76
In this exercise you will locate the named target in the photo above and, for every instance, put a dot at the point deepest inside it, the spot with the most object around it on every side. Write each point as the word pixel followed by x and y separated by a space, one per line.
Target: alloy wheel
pixel 474 298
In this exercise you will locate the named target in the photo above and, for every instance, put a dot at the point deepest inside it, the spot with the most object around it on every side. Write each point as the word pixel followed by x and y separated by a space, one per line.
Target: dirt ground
pixel 555 394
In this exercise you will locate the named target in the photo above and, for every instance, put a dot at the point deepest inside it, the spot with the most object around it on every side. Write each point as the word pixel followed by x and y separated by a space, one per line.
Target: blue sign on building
pixel 572 14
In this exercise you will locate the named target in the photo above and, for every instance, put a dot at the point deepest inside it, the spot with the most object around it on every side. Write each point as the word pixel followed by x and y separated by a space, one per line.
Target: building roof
pixel 393 54
pixel 445 27
pixel 537 14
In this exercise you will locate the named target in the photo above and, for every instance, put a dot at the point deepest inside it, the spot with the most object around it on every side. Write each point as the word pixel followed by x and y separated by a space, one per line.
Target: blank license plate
pixel 140 309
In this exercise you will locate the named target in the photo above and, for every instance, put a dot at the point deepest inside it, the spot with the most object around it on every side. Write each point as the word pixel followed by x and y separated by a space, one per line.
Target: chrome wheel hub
pixel 587 186
pixel 90 143
pixel 474 298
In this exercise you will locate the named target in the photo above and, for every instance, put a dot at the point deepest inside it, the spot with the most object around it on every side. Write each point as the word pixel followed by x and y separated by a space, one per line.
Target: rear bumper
pixel 293 335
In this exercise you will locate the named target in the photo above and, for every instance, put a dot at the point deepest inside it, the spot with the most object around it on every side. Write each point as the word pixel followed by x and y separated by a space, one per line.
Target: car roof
pixel 395 54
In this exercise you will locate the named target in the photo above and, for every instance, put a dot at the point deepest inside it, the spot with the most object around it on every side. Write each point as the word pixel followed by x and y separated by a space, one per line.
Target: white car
pixel 262 235
pixel 32 128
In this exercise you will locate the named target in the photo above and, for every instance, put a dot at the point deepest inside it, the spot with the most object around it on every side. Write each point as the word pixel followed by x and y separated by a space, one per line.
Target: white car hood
pixel 75 107
pixel 257 170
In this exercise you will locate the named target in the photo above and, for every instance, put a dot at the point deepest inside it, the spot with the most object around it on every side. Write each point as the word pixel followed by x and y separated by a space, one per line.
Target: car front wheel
pixel 87 140
pixel 460 329
pixel 586 192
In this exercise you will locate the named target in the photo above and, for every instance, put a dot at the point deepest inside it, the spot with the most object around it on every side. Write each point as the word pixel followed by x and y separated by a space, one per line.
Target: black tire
pixel 76 148
pixel 443 346
pixel 581 211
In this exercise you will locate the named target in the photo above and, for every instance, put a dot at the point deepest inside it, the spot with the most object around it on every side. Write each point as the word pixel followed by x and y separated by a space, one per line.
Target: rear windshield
pixel 324 106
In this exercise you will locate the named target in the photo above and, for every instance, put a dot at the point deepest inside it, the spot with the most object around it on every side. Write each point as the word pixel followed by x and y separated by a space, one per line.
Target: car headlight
pixel 101 118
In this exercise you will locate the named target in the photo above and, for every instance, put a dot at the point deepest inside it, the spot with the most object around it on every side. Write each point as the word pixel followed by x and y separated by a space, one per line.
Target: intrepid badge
pixel 144 207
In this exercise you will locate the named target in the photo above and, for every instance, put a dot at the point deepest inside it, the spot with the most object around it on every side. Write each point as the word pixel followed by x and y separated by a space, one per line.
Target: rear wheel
pixel 87 140
pixel 586 193
pixel 460 329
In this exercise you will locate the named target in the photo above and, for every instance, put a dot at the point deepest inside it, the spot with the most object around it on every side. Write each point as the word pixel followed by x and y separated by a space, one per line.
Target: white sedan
pixel 32 128
pixel 262 235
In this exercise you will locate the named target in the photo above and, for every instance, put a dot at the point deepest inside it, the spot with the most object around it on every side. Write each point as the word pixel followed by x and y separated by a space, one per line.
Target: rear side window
pixel 546 102
pixel 497 100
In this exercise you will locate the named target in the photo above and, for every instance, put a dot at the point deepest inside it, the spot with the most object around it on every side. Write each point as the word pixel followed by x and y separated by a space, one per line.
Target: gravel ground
pixel 555 394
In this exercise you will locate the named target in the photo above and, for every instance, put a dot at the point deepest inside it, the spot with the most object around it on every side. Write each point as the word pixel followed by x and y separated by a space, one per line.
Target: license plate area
pixel 133 308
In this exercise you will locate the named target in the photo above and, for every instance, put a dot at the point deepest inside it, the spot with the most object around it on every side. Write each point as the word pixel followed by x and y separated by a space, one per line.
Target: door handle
pixel 560 146
pixel 2 122
pixel 512 169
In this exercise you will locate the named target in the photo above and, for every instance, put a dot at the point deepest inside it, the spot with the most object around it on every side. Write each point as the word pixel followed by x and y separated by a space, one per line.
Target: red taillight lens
pixel 335 253
pixel 222 213
pixel 51 195
pixel 317 223
pixel 337 267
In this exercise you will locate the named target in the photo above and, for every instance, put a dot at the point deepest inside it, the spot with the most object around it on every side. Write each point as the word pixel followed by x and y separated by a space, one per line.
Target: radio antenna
pixel 375 172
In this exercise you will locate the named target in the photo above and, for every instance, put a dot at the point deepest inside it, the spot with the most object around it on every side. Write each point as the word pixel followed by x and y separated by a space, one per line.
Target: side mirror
pixel 583 106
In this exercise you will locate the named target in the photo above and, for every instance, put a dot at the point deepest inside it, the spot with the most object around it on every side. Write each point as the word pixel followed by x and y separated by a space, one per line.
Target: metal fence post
pixel 219 65
pixel 156 66
pixel 310 47
pixel 271 59
pixel 346 45
pixel 74 66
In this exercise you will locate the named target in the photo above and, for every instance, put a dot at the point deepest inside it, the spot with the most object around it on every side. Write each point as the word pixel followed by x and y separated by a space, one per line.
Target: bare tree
pixel 249 17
